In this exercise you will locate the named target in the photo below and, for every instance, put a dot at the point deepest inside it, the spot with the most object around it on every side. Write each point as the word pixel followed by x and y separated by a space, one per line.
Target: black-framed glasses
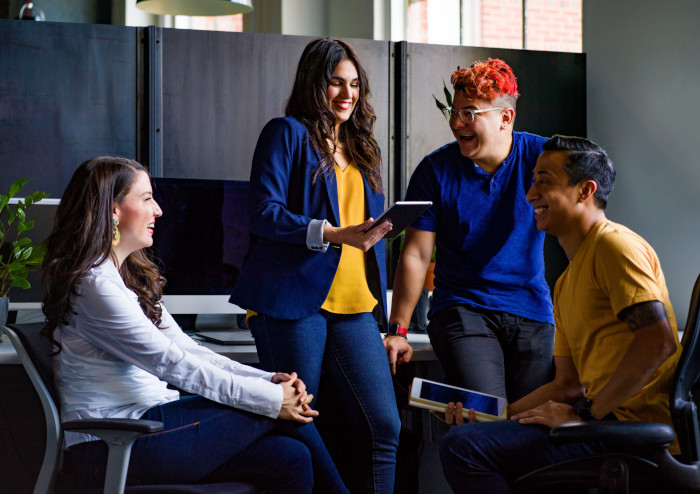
pixel 467 116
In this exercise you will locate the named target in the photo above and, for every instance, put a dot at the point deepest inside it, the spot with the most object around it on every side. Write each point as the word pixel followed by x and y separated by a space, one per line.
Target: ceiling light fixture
pixel 195 7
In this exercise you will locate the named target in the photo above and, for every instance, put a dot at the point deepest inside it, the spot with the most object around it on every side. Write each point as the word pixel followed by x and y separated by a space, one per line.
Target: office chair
pixel 639 459
pixel 33 351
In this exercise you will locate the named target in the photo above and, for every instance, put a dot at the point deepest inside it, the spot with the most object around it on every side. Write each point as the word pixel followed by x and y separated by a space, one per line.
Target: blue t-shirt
pixel 489 251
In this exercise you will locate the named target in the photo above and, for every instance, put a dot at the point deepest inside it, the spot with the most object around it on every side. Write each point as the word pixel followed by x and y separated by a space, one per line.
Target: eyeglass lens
pixel 467 116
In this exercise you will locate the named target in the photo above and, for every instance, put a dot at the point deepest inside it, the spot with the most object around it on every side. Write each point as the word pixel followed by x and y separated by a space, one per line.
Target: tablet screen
pixel 401 214
pixel 444 394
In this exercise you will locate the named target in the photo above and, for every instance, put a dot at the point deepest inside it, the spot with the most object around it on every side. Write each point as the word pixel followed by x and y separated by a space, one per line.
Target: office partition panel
pixel 220 89
pixel 68 92
pixel 191 104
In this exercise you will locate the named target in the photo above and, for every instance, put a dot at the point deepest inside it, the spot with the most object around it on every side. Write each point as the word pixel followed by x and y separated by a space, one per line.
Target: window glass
pixel 551 25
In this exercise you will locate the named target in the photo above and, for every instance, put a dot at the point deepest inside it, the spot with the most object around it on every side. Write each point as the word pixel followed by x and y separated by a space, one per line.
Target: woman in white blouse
pixel 118 348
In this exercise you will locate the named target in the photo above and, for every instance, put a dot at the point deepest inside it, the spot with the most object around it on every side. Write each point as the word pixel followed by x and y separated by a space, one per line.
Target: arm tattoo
pixel 643 314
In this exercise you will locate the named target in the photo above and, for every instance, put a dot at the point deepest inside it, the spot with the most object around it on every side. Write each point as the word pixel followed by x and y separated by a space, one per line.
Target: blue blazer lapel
pixel 332 190
pixel 375 201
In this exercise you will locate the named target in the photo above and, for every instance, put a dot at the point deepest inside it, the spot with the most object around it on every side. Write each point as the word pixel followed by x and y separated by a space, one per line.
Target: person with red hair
pixel 491 322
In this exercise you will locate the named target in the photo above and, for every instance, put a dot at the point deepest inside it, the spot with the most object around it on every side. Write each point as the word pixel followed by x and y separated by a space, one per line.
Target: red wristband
pixel 396 330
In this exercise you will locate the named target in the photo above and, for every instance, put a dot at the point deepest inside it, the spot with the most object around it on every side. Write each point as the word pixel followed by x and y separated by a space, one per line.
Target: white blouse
pixel 114 362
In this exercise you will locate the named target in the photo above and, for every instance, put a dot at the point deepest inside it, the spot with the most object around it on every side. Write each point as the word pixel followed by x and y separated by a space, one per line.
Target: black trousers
pixel 492 352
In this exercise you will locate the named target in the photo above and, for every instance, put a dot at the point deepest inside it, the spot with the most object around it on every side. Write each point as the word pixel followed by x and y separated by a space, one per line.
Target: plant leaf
pixel 448 95
pixel 38 196
pixel 25 253
pixel 26 226
pixel 15 267
pixel 20 282
pixel 443 109
pixel 4 200
pixel 10 215
pixel 17 186
pixel 37 256
pixel 441 106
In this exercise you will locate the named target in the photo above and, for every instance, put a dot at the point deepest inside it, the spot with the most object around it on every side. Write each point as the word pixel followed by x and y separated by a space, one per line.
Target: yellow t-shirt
pixel 349 293
pixel 613 269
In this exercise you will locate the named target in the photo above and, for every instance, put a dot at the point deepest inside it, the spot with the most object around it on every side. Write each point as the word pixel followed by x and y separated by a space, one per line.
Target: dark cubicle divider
pixel 68 92
pixel 190 104
pixel 219 89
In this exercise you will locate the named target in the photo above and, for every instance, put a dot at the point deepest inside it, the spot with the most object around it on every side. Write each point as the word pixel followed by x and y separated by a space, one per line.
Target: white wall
pixel 643 84
pixel 365 19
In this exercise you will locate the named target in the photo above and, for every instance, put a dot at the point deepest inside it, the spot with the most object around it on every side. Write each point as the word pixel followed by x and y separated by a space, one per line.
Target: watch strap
pixel 397 330
pixel 582 407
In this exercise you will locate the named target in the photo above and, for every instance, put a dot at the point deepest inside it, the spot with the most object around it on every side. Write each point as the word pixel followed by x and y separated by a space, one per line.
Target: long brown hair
pixel 308 103
pixel 82 239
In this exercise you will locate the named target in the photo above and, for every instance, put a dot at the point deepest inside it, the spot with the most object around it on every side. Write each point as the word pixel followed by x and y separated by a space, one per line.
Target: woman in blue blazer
pixel 313 278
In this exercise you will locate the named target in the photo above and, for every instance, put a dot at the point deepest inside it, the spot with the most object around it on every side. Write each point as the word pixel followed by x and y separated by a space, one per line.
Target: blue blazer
pixel 281 277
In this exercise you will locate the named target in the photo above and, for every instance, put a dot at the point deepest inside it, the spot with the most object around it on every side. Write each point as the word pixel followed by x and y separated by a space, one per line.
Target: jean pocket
pixel 472 323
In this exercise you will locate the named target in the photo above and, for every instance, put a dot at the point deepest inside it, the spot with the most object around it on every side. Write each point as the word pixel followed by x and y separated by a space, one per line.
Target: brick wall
pixel 551 25
pixel 417 21
pixel 502 23
pixel 554 25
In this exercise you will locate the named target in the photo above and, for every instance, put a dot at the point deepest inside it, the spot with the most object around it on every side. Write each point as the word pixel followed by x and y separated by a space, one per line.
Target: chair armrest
pixel 133 425
pixel 119 434
pixel 626 433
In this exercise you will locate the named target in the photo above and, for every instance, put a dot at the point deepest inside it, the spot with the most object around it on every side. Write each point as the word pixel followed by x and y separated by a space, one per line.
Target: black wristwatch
pixel 582 407
pixel 396 330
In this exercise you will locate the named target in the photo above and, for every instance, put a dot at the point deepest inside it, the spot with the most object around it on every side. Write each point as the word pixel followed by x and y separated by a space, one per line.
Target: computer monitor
pixel 200 242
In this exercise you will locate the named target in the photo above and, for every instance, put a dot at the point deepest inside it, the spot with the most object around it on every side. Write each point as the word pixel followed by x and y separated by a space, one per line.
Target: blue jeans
pixel 205 442
pixel 349 349
pixel 491 351
pixel 486 457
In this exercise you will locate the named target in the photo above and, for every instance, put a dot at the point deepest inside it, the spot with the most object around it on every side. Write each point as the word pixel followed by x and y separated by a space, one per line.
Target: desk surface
pixel 215 313
pixel 246 354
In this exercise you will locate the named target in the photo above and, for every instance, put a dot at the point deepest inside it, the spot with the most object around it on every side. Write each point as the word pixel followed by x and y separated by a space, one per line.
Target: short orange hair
pixel 486 80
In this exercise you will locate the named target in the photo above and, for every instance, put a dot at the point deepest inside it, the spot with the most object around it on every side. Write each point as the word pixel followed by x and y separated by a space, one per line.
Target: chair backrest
pixel 34 351
pixel 685 392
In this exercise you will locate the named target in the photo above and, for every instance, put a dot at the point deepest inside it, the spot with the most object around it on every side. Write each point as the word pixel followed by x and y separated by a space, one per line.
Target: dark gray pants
pixel 492 352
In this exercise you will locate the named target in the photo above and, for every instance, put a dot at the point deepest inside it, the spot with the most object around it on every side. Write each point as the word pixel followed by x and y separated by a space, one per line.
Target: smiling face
pixel 343 91
pixel 553 199
pixel 137 213
pixel 487 140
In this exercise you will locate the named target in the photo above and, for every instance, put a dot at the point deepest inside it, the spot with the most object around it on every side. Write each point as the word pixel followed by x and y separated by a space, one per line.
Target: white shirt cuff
pixel 314 236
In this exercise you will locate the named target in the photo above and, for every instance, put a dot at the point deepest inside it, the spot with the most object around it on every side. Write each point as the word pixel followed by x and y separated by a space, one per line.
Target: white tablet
pixel 401 214
pixel 435 396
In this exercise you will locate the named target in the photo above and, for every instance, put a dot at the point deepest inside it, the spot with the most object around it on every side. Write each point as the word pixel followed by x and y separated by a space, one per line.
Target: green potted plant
pixel 447 106
pixel 18 254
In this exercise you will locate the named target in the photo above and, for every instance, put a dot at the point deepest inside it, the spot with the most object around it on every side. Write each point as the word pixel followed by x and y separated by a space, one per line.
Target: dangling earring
pixel 116 235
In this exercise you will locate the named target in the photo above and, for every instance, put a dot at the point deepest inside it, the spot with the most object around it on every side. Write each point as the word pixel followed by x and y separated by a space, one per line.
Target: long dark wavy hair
pixel 308 103
pixel 82 239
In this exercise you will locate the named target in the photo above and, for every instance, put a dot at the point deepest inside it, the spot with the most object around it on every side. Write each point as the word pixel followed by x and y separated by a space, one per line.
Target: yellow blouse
pixel 349 293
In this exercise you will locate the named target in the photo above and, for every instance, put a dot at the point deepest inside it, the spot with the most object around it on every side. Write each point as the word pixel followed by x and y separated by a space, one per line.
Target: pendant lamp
pixel 195 7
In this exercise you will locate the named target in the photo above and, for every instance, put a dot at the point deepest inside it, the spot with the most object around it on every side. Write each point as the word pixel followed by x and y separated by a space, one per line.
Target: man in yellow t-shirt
pixel 616 342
